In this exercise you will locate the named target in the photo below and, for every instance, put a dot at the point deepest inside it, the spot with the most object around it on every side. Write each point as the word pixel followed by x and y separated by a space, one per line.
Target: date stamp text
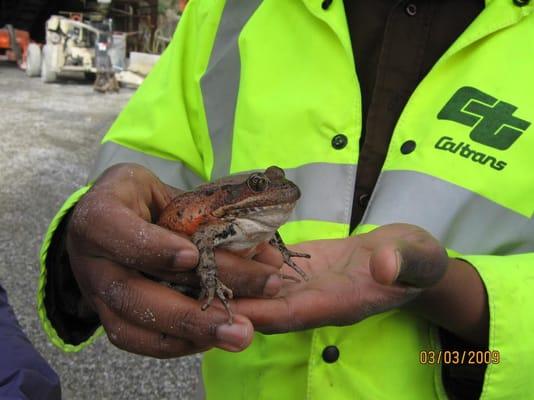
pixel 450 357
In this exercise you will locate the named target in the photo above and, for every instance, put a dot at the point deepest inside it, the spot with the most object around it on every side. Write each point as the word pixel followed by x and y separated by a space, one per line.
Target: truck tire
pixel 48 74
pixel 33 60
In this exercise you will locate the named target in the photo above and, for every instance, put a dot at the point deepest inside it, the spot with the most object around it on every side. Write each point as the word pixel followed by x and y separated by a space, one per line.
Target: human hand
pixel 113 246
pixel 351 279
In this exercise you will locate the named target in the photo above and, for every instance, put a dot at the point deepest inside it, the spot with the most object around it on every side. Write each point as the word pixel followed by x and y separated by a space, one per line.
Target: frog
pixel 239 214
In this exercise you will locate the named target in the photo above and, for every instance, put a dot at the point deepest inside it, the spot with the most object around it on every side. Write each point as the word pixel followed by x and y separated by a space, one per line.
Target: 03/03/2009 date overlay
pixel 469 357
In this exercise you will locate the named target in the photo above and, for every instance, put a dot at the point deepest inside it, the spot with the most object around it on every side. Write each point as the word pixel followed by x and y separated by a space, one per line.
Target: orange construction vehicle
pixel 15 46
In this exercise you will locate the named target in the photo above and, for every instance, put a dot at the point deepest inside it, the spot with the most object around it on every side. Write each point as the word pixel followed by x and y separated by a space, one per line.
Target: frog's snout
pixel 298 192
pixel 295 191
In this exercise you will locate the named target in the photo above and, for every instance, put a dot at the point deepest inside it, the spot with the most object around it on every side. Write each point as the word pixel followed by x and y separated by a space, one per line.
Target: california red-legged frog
pixel 236 214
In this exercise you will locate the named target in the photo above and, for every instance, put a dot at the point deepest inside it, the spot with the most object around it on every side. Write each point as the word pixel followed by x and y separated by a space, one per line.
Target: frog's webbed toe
pixel 291 253
pixel 214 286
pixel 295 267
pixel 277 242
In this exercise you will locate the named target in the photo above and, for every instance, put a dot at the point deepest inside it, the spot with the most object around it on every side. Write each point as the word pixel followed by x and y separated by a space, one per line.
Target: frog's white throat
pixel 255 226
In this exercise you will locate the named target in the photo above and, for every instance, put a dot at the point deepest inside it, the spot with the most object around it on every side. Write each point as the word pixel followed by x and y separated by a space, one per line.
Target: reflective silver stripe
pixel 173 173
pixel 327 191
pixel 220 83
pixel 462 220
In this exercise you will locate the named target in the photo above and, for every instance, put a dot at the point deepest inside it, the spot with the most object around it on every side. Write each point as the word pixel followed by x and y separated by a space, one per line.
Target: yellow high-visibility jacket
pixel 248 84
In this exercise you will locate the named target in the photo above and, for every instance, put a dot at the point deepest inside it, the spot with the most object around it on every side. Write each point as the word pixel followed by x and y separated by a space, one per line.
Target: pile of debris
pixel 139 66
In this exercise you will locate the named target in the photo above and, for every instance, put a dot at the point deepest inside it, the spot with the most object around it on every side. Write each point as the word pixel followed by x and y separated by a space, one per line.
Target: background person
pixel 24 374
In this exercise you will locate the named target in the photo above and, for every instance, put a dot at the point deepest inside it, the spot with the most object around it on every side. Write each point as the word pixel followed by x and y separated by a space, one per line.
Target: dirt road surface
pixel 48 139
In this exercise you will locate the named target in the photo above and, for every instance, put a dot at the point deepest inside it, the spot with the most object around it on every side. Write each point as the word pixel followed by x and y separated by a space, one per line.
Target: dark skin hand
pixel 112 246
pixel 393 266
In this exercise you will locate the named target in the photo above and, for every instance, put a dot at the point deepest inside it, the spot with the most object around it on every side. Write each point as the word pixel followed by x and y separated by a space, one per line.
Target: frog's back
pixel 187 212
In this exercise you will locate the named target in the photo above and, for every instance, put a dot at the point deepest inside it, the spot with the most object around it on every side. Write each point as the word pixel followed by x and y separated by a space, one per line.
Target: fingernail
pixel 186 258
pixel 272 286
pixel 234 337
pixel 398 258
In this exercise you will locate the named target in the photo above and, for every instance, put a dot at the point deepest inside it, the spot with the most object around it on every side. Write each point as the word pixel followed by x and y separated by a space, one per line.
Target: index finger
pixel 102 226
pixel 153 306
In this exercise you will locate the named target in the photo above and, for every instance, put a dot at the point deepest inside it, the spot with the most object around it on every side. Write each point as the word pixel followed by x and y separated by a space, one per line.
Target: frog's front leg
pixel 206 239
pixel 277 242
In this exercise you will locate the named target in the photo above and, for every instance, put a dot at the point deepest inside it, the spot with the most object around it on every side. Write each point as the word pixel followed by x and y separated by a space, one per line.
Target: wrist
pixel 69 314
pixel 457 303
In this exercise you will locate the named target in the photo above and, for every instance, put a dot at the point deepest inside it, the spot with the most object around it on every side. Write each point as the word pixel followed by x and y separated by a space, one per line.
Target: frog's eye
pixel 257 182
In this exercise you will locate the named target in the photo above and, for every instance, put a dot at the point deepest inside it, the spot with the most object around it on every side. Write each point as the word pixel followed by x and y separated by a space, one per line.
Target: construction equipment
pixel 77 49
pixel 15 46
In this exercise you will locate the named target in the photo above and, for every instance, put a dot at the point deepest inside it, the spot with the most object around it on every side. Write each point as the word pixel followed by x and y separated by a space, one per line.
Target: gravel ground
pixel 48 138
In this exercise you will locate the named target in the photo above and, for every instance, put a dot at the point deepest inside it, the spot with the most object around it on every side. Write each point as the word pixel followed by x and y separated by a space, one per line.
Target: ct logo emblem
pixel 492 120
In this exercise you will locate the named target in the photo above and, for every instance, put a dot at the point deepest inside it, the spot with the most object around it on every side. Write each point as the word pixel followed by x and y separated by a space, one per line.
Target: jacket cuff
pixel 511 343
pixel 66 323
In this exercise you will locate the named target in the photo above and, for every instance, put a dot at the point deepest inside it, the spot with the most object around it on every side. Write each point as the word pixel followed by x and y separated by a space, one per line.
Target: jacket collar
pixel 497 15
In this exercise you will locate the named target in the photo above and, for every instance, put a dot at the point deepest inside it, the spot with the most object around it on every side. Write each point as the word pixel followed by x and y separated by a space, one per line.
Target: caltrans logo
pixel 492 120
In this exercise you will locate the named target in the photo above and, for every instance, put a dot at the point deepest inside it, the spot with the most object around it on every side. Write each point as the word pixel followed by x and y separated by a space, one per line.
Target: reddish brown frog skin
pixel 186 212
pixel 236 213
pixel 227 199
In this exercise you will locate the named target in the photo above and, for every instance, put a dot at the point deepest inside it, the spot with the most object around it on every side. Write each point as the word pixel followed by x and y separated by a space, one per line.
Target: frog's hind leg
pixel 277 242
pixel 211 285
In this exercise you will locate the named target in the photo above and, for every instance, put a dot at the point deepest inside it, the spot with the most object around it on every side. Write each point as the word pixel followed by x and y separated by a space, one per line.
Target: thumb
pixel 419 263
